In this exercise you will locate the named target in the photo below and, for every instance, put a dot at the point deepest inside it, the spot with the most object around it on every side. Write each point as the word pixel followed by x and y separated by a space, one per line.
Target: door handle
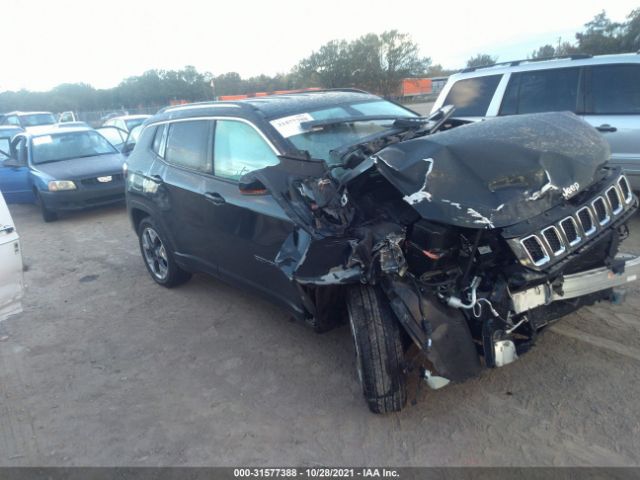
pixel 6 229
pixel 605 127
pixel 157 178
pixel 215 198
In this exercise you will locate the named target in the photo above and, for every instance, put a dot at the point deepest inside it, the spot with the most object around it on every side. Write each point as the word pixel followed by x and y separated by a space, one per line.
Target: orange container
pixel 416 86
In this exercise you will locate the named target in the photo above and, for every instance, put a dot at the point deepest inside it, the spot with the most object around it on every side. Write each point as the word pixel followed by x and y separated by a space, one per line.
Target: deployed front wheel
pixel 379 349
pixel 158 257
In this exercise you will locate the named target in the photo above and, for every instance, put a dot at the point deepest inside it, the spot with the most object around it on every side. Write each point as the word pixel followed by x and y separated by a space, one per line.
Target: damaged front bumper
pixel 578 284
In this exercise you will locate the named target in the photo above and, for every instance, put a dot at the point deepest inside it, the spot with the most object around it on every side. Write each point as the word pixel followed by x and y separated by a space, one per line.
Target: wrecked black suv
pixel 457 243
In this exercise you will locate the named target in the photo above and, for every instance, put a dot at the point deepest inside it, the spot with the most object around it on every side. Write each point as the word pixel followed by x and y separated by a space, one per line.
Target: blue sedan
pixel 61 169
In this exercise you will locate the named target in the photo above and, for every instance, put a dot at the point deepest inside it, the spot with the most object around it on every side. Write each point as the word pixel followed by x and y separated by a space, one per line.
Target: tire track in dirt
pixel 20 446
pixel 599 342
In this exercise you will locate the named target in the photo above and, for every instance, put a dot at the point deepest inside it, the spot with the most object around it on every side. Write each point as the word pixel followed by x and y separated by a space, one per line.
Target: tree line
pixel 601 36
pixel 373 62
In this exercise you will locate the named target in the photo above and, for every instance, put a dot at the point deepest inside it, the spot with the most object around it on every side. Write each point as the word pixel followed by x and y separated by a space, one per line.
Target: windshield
pixel 134 122
pixel 320 141
pixel 35 119
pixel 63 146
pixel 115 136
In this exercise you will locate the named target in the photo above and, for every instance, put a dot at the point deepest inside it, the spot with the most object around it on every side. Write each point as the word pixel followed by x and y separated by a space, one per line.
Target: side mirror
pixel 12 162
pixel 254 187
pixel 127 148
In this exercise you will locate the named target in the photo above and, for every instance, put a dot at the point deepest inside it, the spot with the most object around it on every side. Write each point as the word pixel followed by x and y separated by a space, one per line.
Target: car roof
pixel 17 112
pixel 54 130
pixel 128 117
pixel 544 64
pixel 269 106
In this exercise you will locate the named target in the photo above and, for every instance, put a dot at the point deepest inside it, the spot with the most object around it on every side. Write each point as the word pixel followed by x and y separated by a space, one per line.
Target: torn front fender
pixel 308 194
pixel 361 256
pixel 328 261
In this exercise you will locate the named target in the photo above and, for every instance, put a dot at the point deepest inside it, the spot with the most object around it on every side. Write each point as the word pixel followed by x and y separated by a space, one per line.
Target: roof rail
pixel 513 63
pixel 302 91
pixel 237 101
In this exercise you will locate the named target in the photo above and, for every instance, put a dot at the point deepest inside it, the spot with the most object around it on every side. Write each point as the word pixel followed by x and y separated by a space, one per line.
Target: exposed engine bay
pixel 478 235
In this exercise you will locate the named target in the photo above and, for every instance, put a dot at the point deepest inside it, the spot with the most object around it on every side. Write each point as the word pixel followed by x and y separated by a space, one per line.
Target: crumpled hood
pixel 76 168
pixel 498 172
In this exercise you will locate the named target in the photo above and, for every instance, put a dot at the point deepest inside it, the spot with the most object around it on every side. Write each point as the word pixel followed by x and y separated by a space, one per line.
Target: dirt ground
pixel 106 368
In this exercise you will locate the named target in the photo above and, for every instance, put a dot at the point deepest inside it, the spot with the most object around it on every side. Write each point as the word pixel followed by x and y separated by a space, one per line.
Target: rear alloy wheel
pixel 47 215
pixel 157 256
pixel 379 349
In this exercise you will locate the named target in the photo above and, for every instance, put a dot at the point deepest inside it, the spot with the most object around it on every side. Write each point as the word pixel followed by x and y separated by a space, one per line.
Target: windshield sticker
pixel 42 140
pixel 290 126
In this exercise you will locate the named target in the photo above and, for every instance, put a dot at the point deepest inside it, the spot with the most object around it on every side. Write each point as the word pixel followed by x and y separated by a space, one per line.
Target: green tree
pixel 228 83
pixel 438 70
pixel 602 36
pixel 330 67
pixel 399 58
pixel 548 51
pixel 630 41
pixel 544 51
pixel 373 62
pixel 481 60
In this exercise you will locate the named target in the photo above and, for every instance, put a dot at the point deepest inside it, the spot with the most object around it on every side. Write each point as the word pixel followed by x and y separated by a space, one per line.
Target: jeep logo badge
pixel 570 191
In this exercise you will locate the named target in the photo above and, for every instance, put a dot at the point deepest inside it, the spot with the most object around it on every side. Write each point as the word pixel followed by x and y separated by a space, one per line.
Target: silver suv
pixel 604 90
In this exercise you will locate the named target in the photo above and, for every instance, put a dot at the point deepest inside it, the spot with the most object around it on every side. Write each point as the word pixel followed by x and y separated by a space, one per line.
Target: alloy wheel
pixel 155 253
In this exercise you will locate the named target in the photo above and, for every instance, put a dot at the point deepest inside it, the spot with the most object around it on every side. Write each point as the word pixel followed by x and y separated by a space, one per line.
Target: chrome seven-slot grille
pixel 556 240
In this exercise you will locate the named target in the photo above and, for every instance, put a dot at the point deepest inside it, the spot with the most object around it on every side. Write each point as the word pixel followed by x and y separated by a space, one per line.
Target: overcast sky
pixel 49 42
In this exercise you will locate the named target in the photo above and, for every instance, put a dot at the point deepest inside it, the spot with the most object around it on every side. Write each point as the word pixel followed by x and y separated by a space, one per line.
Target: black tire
pixel 158 256
pixel 379 351
pixel 47 215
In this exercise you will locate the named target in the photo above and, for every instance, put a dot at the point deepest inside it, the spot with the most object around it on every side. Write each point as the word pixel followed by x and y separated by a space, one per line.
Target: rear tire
pixel 158 256
pixel 47 215
pixel 379 351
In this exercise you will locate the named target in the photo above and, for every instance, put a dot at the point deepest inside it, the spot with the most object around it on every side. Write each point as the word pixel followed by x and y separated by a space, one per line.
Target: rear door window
pixel 554 90
pixel 614 89
pixel 240 149
pixel 472 96
pixel 188 144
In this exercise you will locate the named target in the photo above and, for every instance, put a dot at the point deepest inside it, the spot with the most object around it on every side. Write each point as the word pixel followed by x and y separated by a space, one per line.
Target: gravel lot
pixel 106 368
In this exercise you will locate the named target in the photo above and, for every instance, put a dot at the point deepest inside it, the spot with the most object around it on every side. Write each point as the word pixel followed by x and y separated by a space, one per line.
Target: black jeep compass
pixel 459 241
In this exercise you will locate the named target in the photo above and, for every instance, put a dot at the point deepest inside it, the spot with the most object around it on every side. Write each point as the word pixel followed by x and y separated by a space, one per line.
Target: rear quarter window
pixel 554 90
pixel 472 96
pixel 614 89
pixel 159 140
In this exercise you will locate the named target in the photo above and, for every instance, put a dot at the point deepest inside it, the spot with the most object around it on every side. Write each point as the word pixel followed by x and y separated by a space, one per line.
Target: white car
pixel 604 90
pixel 11 280
pixel 29 121
pixel 126 122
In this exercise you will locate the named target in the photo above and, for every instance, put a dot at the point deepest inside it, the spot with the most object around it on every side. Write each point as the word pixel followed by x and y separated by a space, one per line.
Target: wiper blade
pixel 70 158
pixel 431 123
pixel 440 116
pixel 411 122
pixel 340 120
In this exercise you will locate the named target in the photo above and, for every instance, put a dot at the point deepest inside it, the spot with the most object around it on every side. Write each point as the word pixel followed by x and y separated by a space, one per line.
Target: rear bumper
pixel 577 285
pixel 83 198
